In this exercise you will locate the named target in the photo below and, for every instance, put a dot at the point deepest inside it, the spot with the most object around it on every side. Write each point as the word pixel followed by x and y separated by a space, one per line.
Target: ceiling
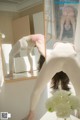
pixel 13 1
pixel 17 5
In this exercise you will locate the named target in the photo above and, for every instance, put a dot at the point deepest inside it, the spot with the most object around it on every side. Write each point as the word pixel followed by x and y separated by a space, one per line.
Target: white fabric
pixel 62 58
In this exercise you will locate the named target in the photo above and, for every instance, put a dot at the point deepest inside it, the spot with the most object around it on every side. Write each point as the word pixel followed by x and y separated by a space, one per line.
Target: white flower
pixel 63 110
pixel 62 93
pixel 61 97
pixel 50 105
pixel 74 102
pixel 62 102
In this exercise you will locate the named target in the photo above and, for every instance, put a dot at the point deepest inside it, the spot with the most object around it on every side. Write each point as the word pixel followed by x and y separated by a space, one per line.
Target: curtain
pixel 49 18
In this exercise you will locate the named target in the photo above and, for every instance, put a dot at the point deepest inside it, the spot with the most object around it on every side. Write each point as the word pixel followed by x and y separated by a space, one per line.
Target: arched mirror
pixel 19 20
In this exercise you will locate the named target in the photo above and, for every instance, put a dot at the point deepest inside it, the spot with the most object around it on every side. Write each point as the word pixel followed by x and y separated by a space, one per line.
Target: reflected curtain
pixel 77 34
pixel 49 18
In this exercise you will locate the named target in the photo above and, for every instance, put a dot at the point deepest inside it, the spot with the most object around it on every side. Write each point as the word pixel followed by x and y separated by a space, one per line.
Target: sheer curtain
pixel 50 22
pixel 77 34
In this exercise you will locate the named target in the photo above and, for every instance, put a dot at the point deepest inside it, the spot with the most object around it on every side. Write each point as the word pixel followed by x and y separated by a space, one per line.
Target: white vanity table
pixel 52 116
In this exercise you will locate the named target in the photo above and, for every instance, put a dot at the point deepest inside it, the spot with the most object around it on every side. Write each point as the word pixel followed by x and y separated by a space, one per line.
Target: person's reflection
pixel 26 43
pixel 68 20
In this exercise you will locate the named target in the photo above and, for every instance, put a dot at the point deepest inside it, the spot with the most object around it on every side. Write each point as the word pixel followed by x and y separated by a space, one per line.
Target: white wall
pixel 15 99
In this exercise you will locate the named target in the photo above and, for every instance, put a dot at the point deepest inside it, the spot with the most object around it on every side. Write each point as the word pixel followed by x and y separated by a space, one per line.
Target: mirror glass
pixel 20 21
pixel 60 21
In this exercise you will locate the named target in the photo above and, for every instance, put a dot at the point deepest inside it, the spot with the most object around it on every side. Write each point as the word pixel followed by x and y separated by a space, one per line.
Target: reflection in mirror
pixel 24 41
pixel 60 20
pixel 26 44
pixel 60 26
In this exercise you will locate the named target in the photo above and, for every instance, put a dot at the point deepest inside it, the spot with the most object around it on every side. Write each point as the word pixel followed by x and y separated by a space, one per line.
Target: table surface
pixel 52 116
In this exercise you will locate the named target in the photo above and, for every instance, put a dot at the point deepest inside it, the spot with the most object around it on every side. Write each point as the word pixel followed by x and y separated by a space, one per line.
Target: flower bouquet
pixel 63 103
